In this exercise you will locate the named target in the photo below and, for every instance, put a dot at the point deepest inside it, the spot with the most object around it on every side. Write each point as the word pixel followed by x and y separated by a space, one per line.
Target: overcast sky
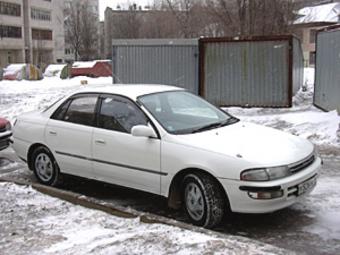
pixel 113 3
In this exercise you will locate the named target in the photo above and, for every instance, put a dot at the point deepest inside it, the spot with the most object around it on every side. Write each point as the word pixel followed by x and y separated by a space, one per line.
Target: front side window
pixel 180 112
pixel 119 114
pixel 79 110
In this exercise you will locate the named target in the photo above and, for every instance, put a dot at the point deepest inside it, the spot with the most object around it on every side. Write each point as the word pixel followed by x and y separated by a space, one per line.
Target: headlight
pixel 254 175
pixel 265 174
pixel 8 126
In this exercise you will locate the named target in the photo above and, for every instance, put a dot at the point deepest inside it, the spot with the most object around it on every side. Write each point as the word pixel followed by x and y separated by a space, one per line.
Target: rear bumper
pixel 21 148
pixel 5 139
pixel 240 200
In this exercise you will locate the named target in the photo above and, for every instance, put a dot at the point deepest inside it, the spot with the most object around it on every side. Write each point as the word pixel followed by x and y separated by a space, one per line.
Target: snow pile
pixel 321 13
pixel 40 224
pixel 54 70
pixel 87 64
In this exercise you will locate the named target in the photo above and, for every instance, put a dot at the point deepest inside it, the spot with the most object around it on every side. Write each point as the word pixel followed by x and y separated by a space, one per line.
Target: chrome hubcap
pixel 194 201
pixel 43 166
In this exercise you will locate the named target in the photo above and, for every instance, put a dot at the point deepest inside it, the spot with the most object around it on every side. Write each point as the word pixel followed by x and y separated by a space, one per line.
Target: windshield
pixel 180 112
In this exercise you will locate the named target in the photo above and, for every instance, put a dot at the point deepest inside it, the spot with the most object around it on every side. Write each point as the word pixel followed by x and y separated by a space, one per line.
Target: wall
pixel 156 61
pixel 327 77
pixel 250 73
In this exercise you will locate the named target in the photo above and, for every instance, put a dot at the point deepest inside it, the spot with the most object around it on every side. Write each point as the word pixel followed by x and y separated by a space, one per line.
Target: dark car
pixel 5 133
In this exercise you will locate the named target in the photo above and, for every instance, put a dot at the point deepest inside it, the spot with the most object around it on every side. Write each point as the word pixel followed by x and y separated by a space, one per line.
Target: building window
pixel 39 34
pixel 312 58
pixel 312 35
pixel 40 14
pixel 10 32
pixel 10 9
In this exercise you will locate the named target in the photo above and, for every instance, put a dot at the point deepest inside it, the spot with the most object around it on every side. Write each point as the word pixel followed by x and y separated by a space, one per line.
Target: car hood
pixel 261 145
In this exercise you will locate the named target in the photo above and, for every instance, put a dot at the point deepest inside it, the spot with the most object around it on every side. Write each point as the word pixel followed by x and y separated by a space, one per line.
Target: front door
pixel 119 157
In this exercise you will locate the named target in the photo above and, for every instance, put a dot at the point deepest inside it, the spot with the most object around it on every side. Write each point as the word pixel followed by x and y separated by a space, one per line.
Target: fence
pixel 156 61
pixel 327 75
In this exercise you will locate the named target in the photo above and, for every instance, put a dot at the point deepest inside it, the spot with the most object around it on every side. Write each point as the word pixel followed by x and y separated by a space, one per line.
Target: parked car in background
pixel 167 141
pixel 5 133
pixel 22 72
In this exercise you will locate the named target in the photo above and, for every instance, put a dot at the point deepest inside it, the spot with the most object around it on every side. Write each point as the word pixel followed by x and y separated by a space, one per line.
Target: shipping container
pixel 156 61
pixel 327 75
pixel 262 71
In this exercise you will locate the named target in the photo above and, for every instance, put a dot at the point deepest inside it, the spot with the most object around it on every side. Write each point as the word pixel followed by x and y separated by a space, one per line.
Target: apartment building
pixel 12 42
pixel 31 31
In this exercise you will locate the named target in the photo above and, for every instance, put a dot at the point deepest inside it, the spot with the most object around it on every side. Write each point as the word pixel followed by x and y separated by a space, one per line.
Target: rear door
pixel 118 156
pixel 69 134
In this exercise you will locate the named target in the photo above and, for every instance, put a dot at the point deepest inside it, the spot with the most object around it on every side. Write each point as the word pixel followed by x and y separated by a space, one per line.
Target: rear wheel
pixel 203 200
pixel 45 167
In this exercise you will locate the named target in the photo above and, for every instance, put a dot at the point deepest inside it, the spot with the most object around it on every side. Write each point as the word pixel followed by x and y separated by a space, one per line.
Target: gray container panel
pixel 327 83
pixel 247 73
pixel 297 65
pixel 157 64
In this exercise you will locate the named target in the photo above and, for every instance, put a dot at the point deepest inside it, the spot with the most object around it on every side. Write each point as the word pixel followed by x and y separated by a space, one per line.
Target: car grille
pixel 2 129
pixel 302 165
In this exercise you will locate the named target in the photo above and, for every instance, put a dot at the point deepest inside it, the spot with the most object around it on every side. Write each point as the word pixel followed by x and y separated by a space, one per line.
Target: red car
pixel 5 133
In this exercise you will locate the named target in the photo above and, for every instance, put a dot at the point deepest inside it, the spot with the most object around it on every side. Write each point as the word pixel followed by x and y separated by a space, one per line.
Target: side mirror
pixel 143 131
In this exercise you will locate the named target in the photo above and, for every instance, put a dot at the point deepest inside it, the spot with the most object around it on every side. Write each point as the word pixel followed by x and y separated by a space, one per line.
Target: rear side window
pixel 119 114
pixel 79 110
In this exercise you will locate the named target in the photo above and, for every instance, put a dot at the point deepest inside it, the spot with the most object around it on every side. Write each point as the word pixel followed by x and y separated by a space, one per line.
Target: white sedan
pixel 166 141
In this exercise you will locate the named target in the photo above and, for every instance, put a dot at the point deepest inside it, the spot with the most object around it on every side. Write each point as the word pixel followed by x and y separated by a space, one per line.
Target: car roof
pixel 129 90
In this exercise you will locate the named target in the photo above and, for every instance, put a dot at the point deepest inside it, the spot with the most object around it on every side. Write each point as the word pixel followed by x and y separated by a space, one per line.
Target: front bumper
pixel 240 201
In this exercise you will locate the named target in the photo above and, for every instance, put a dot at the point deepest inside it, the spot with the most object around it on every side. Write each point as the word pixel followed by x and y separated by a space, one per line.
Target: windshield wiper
pixel 229 121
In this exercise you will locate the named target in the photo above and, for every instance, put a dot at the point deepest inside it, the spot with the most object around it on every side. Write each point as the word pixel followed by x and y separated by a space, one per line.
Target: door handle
pixel 100 141
pixel 53 132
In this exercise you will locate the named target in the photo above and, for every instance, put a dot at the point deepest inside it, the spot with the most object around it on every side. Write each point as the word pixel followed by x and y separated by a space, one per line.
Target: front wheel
pixel 45 167
pixel 203 200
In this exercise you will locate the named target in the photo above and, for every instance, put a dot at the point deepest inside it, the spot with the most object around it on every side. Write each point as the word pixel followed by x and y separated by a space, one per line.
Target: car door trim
pixel 111 163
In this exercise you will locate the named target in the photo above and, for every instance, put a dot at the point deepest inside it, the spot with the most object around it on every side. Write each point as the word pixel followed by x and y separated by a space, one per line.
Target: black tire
pixel 213 201
pixel 53 177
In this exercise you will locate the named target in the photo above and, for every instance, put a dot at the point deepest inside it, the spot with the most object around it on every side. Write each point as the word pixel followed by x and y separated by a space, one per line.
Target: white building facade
pixel 31 31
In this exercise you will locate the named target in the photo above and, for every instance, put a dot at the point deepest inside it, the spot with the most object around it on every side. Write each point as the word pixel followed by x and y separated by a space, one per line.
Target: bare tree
pixel 81 25
pixel 190 16
pixel 89 33
pixel 252 17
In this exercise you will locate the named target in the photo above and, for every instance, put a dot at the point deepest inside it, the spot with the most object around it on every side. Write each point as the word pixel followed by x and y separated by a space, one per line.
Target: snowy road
pixel 310 227
pixel 33 223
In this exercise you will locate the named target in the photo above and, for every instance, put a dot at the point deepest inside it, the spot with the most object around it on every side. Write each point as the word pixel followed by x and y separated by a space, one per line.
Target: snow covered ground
pixel 29 224
pixel 17 97
pixel 40 224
